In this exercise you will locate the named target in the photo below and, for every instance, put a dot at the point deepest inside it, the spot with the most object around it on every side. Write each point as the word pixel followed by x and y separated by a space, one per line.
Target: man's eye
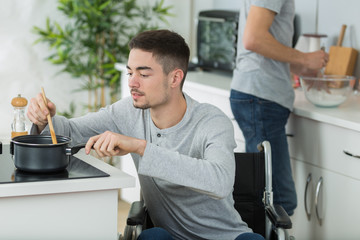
pixel 144 75
pixel 129 74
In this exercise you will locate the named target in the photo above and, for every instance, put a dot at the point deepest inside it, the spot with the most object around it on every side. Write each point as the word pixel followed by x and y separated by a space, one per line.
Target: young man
pixel 182 150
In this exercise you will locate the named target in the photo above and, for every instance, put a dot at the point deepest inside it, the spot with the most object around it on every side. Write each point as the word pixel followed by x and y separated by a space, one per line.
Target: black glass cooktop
pixel 77 169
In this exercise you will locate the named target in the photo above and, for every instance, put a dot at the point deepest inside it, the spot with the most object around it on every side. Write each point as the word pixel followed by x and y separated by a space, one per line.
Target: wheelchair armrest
pixel 137 214
pixel 278 216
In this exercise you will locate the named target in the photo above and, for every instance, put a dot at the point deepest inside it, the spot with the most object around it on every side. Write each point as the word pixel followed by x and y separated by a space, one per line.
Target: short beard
pixel 147 105
pixel 144 107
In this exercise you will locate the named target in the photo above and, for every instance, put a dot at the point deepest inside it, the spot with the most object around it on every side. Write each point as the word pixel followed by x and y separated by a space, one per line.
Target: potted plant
pixel 95 38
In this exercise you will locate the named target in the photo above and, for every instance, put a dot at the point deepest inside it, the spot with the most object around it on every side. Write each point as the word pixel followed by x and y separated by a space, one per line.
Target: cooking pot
pixel 37 153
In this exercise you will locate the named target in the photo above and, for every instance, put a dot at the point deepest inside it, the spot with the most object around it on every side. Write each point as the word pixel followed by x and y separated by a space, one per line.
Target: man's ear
pixel 177 77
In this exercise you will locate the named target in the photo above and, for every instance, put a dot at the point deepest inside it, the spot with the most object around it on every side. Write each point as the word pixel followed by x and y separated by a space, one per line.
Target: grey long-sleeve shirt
pixel 187 171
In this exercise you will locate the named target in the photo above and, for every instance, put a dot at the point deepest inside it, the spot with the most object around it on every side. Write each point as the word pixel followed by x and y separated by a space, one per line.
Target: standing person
pixel 261 95
pixel 183 150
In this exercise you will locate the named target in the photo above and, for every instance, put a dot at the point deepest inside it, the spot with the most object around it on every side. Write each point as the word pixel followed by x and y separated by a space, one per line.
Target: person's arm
pixel 211 171
pixel 257 38
pixel 115 144
pixel 111 118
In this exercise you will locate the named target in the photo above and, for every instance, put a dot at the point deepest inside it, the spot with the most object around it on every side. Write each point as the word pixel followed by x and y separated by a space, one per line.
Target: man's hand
pixel 38 110
pixel 313 63
pixel 316 60
pixel 114 144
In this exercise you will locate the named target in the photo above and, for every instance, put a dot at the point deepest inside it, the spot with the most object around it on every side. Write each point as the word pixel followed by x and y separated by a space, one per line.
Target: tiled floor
pixel 123 210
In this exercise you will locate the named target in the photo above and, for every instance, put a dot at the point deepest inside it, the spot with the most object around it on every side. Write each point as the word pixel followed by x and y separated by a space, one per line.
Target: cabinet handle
pixel 350 154
pixel 318 189
pixel 307 211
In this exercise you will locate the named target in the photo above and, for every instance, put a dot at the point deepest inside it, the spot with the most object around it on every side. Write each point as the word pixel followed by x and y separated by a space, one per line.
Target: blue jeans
pixel 260 120
pixel 161 234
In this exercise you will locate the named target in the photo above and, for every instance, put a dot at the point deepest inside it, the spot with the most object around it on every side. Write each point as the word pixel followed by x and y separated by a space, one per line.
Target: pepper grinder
pixel 18 125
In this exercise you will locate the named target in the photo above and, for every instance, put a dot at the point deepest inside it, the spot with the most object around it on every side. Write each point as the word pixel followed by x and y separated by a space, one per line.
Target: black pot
pixel 37 153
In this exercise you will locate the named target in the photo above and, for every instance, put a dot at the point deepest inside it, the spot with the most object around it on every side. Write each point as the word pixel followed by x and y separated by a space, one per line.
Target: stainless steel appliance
pixel 217 39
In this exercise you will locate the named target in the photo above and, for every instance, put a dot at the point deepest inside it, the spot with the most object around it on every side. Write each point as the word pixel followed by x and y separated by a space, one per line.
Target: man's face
pixel 148 83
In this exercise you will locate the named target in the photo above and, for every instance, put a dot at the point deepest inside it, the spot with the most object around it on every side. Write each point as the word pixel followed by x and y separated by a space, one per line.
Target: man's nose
pixel 133 81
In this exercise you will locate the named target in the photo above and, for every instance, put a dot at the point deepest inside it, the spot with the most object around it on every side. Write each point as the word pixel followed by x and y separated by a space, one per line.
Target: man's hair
pixel 168 48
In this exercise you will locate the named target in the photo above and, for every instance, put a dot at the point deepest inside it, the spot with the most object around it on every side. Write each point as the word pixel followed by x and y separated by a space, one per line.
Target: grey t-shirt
pixel 259 76
pixel 187 171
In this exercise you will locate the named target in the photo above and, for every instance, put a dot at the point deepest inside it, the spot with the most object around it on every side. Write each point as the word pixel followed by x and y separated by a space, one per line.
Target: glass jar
pixel 18 126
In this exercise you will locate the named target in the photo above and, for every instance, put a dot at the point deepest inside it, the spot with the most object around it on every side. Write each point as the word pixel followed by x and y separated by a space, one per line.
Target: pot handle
pixel 11 147
pixel 73 150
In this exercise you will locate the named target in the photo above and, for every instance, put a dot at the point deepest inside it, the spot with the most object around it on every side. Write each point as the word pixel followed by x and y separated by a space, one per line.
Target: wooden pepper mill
pixel 18 126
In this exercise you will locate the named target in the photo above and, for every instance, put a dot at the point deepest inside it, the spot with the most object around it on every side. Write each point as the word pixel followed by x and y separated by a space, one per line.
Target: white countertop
pixel 347 115
pixel 216 79
pixel 117 179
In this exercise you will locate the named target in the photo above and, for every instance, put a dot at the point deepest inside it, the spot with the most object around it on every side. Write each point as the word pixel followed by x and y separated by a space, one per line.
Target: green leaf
pixel 109 55
pixel 110 72
pixel 115 78
pixel 104 5
pixel 59 28
pixel 48 28
pixel 108 65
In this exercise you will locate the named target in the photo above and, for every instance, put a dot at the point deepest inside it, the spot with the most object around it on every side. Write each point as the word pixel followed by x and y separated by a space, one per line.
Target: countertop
pixel 346 115
pixel 117 179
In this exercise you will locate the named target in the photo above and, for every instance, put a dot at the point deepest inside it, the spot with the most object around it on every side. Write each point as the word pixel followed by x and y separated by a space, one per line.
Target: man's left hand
pixel 110 144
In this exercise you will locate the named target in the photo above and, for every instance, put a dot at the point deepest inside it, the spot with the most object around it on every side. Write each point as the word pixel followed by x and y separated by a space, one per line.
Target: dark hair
pixel 168 48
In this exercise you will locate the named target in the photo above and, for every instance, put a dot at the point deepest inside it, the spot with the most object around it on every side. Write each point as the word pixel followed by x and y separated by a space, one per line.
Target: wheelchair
pixel 252 194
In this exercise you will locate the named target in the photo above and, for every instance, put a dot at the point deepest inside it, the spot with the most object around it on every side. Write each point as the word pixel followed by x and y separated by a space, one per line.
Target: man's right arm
pixel 257 38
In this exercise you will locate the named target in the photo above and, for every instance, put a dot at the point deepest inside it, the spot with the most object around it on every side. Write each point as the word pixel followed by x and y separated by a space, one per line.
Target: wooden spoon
pixel 52 131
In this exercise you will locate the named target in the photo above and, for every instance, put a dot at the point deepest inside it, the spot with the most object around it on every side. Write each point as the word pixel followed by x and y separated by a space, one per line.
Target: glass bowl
pixel 327 90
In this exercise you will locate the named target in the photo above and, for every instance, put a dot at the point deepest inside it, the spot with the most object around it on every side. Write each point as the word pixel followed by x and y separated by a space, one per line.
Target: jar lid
pixel 19 101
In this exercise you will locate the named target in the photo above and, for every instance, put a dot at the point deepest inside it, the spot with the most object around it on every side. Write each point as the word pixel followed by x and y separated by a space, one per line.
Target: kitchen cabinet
pixel 84 208
pixel 319 138
pixel 214 88
pixel 337 204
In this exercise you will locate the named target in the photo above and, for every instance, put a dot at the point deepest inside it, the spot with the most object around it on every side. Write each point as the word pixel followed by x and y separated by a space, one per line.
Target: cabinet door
pixel 130 194
pixel 302 225
pixel 323 145
pixel 341 211
pixel 337 205
pixel 208 94
pixel 220 99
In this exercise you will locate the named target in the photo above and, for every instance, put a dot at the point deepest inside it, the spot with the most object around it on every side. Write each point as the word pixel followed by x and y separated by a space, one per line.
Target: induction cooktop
pixel 76 169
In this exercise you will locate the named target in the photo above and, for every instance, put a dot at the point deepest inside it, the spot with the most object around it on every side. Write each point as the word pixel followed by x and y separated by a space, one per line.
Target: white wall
pixel 22 66
pixel 334 13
